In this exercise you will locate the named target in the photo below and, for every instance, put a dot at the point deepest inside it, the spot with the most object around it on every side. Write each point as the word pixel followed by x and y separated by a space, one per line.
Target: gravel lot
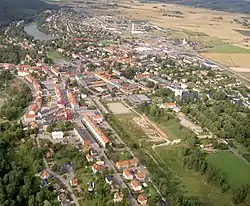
pixel 118 108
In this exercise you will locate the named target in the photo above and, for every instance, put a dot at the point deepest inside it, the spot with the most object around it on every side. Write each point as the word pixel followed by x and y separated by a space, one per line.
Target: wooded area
pixel 19 163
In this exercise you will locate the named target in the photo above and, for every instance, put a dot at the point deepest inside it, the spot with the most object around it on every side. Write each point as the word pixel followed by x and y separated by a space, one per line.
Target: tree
pixel 239 195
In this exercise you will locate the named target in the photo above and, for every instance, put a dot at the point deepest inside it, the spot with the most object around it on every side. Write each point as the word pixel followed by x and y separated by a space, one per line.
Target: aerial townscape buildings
pixel 113 110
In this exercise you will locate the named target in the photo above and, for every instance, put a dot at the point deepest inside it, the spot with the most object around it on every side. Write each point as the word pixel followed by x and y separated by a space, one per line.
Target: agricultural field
pixel 230 59
pixel 243 32
pixel 191 182
pixel 203 25
pixel 228 48
pixel 237 170
pixel 190 20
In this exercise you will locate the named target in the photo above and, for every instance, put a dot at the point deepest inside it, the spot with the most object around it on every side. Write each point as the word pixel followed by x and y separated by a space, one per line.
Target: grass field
pixel 228 48
pixel 55 55
pixel 237 170
pixel 173 129
pixel 192 182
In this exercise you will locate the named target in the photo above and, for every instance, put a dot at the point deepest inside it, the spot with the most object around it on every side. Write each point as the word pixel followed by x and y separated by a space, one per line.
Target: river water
pixel 32 30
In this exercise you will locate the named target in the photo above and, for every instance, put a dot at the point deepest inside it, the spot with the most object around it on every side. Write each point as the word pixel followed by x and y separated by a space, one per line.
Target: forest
pixel 12 10
pixel 18 97
pixel 19 163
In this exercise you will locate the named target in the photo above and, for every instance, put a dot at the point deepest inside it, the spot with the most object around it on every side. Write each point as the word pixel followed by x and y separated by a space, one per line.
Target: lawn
pixel 55 55
pixel 228 48
pixel 173 129
pixel 237 170
pixel 192 182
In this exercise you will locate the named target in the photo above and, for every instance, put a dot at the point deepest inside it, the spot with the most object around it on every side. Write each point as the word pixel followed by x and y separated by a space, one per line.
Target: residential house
pixel 126 164
pixel 142 199
pixel 135 185
pixel 127 174
pixel 140 175
pixel 109 180
pixel 45 175
pixel 118 197
pixel 89 158
pixel 74 182
pixel 96 168
pixel 29 118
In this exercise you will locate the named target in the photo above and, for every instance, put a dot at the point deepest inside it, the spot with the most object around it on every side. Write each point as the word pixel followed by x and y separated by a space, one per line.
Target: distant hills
pixel 20 9
pixel 241 6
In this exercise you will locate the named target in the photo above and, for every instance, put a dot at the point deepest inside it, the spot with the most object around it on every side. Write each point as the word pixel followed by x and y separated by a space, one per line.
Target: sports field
pixel 237 170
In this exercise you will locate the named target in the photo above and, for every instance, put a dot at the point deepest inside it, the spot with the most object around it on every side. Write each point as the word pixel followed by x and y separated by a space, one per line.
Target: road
pixel 64 182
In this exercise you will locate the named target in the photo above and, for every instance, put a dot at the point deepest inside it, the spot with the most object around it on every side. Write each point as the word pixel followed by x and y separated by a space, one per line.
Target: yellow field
pixel 213 23
pixel 231 60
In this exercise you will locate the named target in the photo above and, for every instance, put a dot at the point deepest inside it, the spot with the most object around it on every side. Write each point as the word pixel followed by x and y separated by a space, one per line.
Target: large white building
pixel 99 135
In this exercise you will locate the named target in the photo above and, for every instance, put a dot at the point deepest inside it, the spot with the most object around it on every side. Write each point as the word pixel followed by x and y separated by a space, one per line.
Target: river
pixel 32 30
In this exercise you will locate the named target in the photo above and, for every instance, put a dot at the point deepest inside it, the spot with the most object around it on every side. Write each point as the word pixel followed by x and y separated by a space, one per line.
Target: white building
pixel 57 135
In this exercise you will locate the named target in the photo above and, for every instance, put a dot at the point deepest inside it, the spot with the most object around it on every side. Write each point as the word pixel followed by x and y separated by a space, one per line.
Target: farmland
pixel 228 48
pixel 235 168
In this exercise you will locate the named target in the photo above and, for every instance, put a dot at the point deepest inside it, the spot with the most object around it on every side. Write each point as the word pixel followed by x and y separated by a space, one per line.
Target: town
pixel 110 97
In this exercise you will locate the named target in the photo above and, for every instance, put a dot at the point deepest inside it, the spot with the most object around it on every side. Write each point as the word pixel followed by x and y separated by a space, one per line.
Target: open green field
pixel 173 129
pixel 192 182
pixel 55 55
pixel 228 48
pixel 237 170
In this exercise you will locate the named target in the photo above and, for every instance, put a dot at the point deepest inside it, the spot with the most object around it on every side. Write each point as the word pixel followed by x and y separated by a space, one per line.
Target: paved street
pixel 64 182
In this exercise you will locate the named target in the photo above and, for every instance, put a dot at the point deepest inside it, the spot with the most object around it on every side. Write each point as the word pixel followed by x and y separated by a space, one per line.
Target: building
pixel 142 76
pixel 137 99
pixel 159 81
pixel 74 104
pixel 172 106
pixel 79 132
pixel 99 135
pixel 127 174
pixel 142 199
pixel 135 185
pixel 57 135
pixel 118 197
pixel 74 182
pixel 45 175
pixel 109 180
pixel 140 175
pixel 96 168
pixel 89 158
pixel 126 164
pixel 29 118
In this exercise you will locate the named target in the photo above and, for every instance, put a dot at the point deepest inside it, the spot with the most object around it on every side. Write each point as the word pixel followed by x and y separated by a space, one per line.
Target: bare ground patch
pixel 118 108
